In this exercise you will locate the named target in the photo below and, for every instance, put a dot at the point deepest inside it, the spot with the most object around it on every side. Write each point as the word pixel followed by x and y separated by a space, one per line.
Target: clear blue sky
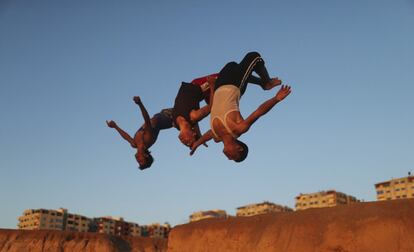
pixel 67 66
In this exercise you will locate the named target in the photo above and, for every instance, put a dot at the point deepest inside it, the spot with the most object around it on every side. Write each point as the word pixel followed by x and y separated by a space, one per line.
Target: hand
pixel 137 99
pixel 283 93
pixel 187 137
pixel 111 124
pixel 194 147
pixel 272 83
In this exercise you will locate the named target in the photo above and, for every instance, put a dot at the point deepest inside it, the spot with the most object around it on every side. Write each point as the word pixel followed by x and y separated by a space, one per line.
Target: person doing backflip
pixel 147 134
pixel 226 122
pixel 187 112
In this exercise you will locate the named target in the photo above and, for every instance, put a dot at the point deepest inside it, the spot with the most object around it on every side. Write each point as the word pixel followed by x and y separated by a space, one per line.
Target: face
pixel 142 157
pixel 232 151
pixel 187 136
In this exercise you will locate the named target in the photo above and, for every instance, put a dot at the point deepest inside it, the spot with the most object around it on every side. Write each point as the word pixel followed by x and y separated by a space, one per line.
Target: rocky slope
pixel 375 226
pixel 53 241
pixel 362 227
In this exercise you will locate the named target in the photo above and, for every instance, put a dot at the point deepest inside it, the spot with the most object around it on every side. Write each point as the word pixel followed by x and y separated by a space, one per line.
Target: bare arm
pixel 124 135
pixel 144 112
pixel 202 140
pixel 198 115
pixel 262 109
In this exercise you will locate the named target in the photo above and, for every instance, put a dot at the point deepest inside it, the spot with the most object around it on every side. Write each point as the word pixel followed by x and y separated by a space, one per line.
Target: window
pixel 380 192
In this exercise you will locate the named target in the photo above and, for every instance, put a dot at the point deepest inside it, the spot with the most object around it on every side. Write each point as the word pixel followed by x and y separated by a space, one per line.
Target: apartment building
pixel 36 219
pixel 399 188
pixel 201 215
pixel 157 230
pixel 320 199
pixel 134 229
pixel 116 226
pixel 261 208
pixel 76 222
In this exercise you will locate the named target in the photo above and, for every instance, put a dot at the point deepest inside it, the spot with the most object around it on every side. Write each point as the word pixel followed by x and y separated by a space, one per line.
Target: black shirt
pixel 187 99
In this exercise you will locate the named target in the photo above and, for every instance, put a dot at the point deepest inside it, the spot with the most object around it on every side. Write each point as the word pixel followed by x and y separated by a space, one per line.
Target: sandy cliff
pixel 375 226
pixel 53 241
pixel 365 227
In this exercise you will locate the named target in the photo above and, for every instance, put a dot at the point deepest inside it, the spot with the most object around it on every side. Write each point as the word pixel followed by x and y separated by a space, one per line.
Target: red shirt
pixel 204 85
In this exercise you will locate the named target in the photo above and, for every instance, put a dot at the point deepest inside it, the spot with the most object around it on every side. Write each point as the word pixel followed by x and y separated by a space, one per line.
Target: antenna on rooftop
pixel 409 173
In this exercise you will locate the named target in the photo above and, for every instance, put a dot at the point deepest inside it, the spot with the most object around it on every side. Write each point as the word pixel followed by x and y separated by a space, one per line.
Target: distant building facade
pixel 400 188
pixel 201 215
pixel 47 219
pixel 117 226
pixel 261 208
pixel 156 230
pixel 320 199
pixel 135 229
pixel 76 222
pixel 36 219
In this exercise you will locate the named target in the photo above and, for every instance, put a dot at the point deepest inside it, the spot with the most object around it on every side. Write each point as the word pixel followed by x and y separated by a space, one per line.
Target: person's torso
pixel 225 101
pixel 160 121
pixel 145 136
pixel 188 99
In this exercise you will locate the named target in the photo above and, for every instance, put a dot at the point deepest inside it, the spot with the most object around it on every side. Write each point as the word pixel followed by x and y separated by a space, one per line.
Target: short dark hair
pixel 148 162
pixel 243 153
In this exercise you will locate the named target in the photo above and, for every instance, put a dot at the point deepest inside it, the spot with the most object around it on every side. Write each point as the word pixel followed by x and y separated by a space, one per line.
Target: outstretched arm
pixel 124 135
pixel 262 109
pixel 202 140
pixel 144 112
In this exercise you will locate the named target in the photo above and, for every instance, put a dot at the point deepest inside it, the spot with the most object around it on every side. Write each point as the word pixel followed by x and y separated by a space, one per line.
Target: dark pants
pixel 239 74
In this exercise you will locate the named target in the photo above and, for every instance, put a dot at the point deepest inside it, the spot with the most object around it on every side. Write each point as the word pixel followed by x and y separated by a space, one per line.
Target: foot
pixel 272 83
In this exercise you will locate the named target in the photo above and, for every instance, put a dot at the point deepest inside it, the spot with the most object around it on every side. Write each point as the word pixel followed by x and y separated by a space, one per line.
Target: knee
pixel 228 67
pixel 252 55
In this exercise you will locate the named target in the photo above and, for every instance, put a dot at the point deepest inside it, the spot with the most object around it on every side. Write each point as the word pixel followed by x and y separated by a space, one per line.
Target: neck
pixel 227 138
